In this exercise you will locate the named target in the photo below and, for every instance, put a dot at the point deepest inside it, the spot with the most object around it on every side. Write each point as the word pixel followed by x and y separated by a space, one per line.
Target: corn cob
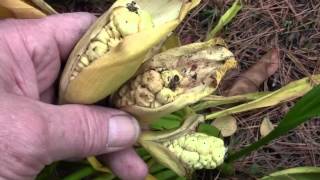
pixel 198 150
pixel 174 79
pixel 116 45
pixel 185 150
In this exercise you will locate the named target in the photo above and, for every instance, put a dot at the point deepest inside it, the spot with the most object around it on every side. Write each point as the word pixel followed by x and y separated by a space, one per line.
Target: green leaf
pixel 208 129
pixel 226 18
pixel 306 108
pixel 299 173
pixel 105 177
pixel 80 174
pixel 48 172
pixel 166 175
pixel 156 168
pixel 227 169
pixel 142 152
pixel 167 122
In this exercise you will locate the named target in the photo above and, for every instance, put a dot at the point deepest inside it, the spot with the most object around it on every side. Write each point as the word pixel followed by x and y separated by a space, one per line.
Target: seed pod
pixel 177 78
pixel 117 44
pixel 185 150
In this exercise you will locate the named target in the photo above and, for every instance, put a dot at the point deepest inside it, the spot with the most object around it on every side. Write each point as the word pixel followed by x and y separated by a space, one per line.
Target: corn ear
pixel 174 79
pixel 116 45
pixel 184 150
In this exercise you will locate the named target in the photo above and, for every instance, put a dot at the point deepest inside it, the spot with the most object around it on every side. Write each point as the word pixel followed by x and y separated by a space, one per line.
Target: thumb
pixel 77 131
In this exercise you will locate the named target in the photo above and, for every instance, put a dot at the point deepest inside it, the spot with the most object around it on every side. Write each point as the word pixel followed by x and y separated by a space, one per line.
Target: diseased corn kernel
pixel 156 104
pixel 84 60
pixel 190 157
pixel 166 96
pixel 113 43
pixel 143 97
pixel 96 49
pixel 152 80
pixel 198 150
pixel 102 36
pixel 136 82
pixel 113 31
pixel 123 90
pixel 110 32
pixel 171 78
pixel 75 74
pixel 80 65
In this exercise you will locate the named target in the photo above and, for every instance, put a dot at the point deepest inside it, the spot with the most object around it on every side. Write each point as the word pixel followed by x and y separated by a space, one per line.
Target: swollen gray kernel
pixel 166 96
pixel 102 36
pixel 156 104
pixel 123 90
pixel 96 49
pixel 143 97
pixel 114 42
pixel 136 82
pixel 152 80
pixel 84 60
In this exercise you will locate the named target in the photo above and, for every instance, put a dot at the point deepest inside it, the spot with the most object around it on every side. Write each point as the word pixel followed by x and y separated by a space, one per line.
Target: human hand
pixel 33 132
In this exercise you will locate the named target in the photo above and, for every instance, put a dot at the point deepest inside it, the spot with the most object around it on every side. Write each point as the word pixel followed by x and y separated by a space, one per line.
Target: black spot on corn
pixel 132 7
pixel 174 82
pixel 194 76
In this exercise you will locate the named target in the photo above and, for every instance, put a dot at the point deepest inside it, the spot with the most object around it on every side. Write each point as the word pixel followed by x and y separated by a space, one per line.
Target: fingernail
pixel 123 132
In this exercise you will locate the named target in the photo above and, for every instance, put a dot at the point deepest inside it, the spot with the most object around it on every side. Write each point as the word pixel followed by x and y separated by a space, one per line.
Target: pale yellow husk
pixel 107 73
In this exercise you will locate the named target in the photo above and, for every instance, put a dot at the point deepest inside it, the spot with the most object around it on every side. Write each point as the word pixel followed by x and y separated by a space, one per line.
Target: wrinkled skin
pixel 33 131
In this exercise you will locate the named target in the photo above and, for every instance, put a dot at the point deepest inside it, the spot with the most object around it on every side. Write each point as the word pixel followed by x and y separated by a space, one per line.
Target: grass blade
pixel 226 18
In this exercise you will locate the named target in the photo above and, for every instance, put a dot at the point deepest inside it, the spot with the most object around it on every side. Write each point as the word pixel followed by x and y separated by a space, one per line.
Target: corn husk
pixel 106 74
pixel 21 9
pixel 220 61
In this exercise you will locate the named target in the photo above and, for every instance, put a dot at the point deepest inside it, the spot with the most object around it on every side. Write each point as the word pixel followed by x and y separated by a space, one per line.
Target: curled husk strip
pixel 184 150
pixel 174 79
pixel 116 45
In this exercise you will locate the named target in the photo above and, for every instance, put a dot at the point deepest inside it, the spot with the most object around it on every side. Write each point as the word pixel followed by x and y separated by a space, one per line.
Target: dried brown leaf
pixel 250 80
pixel 227 125
pixel 266 127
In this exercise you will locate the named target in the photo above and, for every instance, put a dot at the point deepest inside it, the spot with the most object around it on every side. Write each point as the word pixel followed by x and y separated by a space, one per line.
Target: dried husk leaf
pixel 227 125
pixel 107 73
pixel 19 9
pixel 170 59
pixel 46 8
